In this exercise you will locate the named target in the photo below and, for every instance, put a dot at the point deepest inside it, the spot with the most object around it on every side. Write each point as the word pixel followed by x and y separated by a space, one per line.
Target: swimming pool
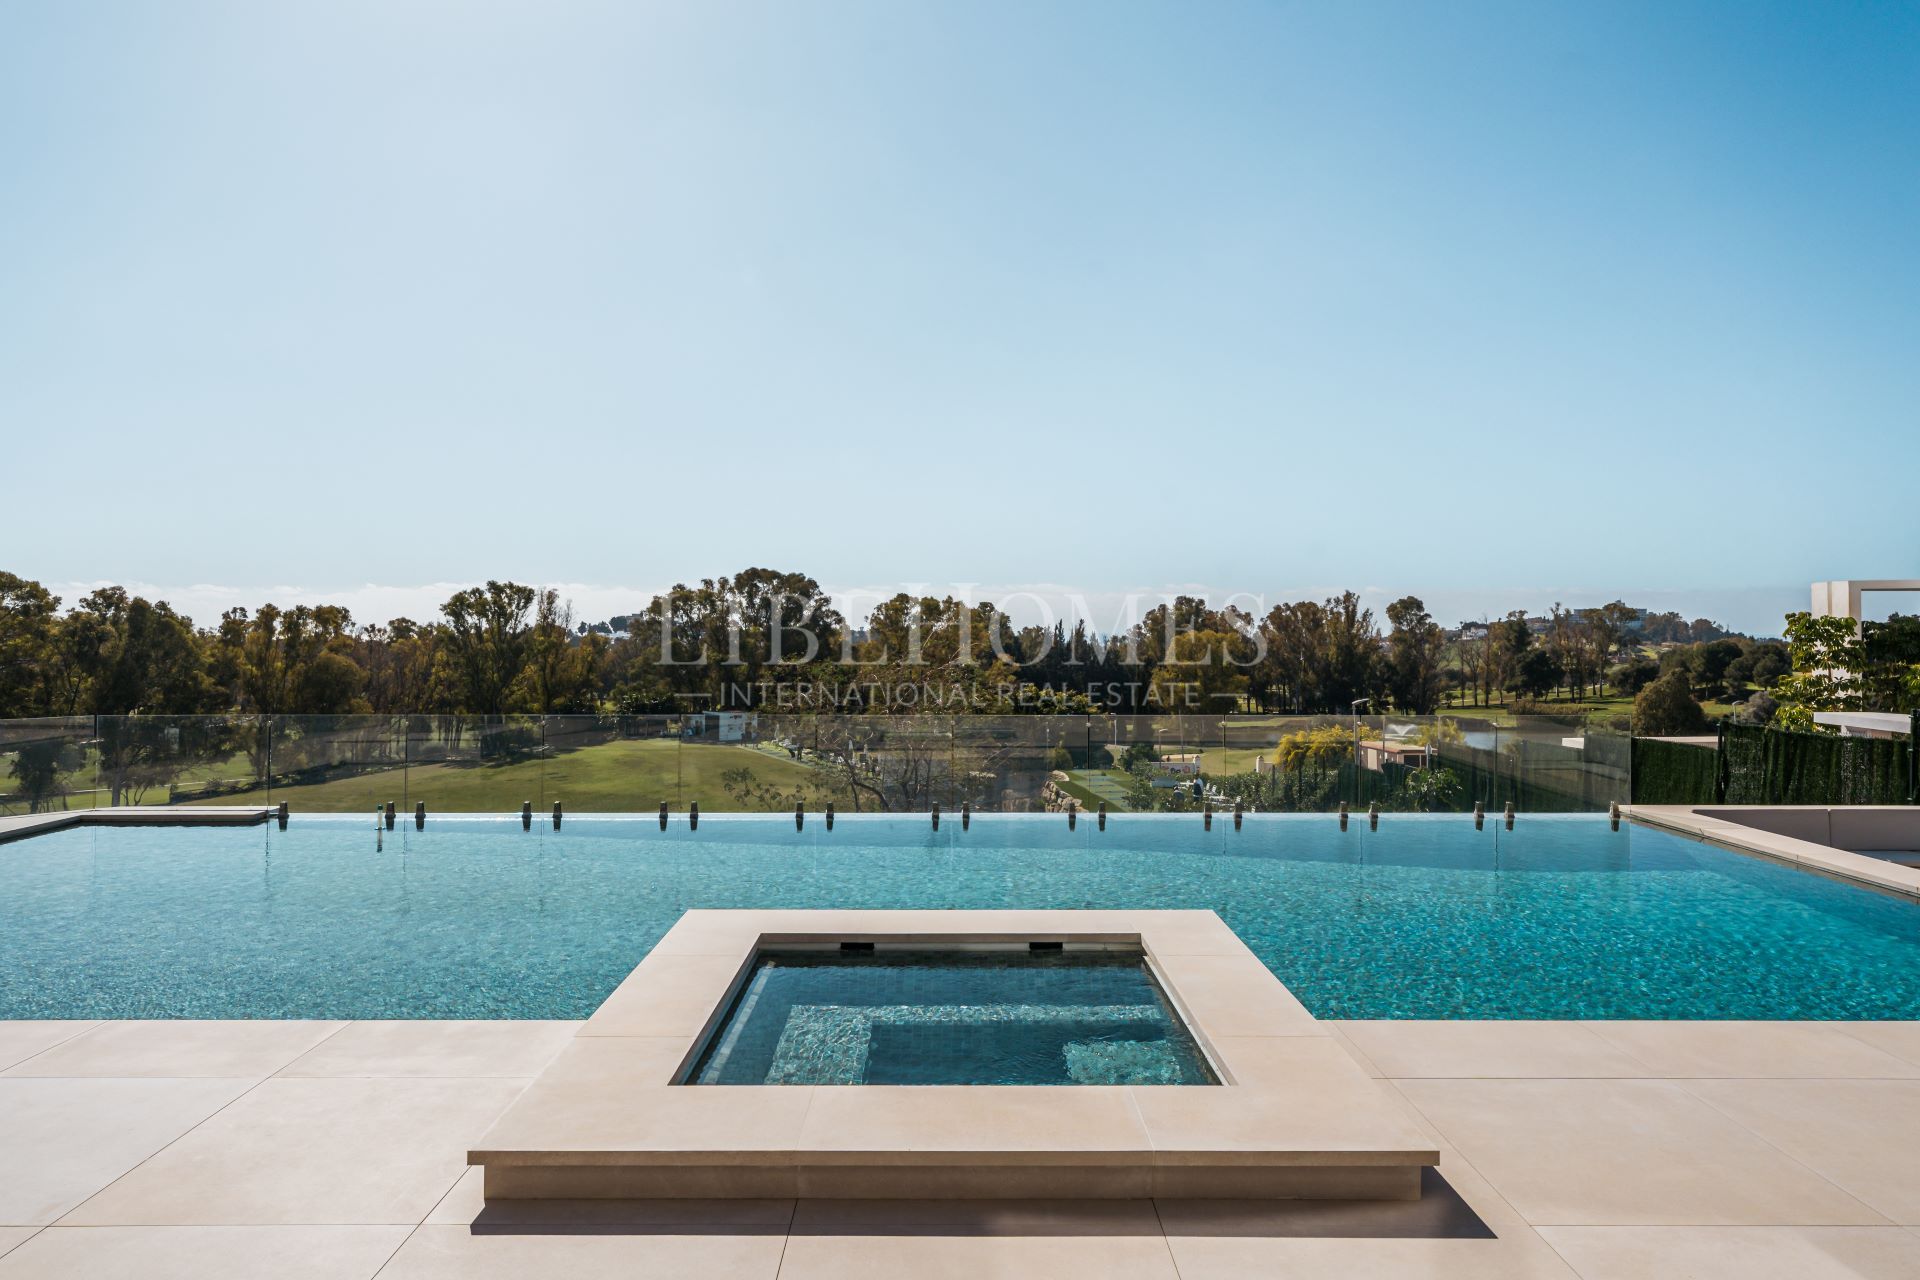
pixel 475 918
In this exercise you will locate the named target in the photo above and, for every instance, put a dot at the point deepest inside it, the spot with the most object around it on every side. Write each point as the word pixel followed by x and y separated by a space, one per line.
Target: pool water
pixel 952 1017
pixel 475 918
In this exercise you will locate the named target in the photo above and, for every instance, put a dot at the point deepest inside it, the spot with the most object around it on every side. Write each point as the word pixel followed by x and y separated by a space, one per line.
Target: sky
pixel 1487 302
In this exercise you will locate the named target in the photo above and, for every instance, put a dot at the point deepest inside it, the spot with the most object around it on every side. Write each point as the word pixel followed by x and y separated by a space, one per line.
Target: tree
pixel 1538 671
pixel 1769 663
pixel 266 660
pixel 1475 651
pixel 28 623
pixel 1200 674
pixel 403 667
pixel 329 685
pixel 1507 642
pixel 1892 670
pixel 1610 624
pixel 1413 656
pixel 142 667
pixel 1328 746
pixel 553 666
pixel 487 638
pixel 1827 656
pixel 38 767
pixel 1707 664
pixel 1666 708
pixel 1632 676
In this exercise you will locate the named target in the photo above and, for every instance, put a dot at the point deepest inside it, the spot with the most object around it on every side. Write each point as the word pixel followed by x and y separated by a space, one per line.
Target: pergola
pixel 1841 598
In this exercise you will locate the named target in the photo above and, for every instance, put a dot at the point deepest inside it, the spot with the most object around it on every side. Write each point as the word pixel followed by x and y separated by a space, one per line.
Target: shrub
pixel 1327 745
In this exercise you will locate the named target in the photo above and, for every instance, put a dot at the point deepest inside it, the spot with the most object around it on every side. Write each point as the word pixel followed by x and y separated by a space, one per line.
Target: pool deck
pixel 330 1149
pixel 20 826
pixel 1815 838
pixel 1293 1116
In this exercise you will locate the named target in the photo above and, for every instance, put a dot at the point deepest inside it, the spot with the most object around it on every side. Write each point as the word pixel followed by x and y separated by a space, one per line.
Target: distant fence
pixel 1674 773
pixel 1774 766
pixel 1756 765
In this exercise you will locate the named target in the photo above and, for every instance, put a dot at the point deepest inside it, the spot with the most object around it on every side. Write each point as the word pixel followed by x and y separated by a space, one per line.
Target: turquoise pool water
pixel 475 918
pixel 952 1017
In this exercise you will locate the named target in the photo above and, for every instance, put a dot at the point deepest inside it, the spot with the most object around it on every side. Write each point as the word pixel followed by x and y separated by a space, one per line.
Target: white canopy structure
pixel 1841 598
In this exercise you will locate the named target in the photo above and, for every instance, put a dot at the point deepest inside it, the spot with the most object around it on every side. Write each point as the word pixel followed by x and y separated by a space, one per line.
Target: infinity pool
pixel 475 918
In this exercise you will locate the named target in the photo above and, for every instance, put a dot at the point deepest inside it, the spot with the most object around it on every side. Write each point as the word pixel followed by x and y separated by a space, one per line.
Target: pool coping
pixel 22 826
pixel 1720 825
pixel 1293 1117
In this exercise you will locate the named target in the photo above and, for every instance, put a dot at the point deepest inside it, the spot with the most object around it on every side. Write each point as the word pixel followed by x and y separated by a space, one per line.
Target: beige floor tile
pixel 1519 1256
pixel 1864 1135
pixel 11 1237
pixel 470 1048
pixel 457 1253
pixel 944 1253
pixel 1750 1050
pixel 610 1093
pixel 1901 1039
pixel 1233 995
pixel 1296 1093
pixel 1490 1050
pixel 1738 1253
pixel 465 1206
pixel 63 1140
pixel 667 995
pixel 21 1040
pixel 1625 1151
pixel 180 1048
pixel 617 1062
pixel 195 1253
pixel 312 1151
pixel 1354 1051
pixel 979 1217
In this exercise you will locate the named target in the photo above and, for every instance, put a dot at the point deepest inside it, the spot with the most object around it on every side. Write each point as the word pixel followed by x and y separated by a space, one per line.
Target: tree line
pixel 764 637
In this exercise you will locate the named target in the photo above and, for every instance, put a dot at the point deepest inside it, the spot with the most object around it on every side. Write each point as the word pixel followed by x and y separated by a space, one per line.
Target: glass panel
pixel 141 760
pixel 334 764
pixel 749 761
pixel 754 762
pixel 47 764
pixel 1021 763
pixel 476 764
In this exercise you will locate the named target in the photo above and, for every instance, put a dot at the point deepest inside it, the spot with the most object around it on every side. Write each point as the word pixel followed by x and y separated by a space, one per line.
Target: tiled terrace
pixel 1600 1150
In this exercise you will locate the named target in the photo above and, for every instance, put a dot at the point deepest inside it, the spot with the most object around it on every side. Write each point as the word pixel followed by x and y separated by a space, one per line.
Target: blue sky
pixel 1571 301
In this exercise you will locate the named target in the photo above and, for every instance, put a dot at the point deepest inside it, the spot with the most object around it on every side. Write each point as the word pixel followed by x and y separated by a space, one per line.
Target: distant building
pixel 720 726
pixel 1376 755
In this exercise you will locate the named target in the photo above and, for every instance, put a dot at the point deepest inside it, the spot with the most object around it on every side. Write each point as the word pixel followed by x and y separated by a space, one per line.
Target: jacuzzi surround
pixel 1292 1117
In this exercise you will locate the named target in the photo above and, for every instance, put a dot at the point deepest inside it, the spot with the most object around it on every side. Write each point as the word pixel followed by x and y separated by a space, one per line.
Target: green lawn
pixel 1091 786
pixel 622 776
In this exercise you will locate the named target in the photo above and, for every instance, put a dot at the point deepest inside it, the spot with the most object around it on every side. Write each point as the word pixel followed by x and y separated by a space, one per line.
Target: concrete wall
pixel 1857 828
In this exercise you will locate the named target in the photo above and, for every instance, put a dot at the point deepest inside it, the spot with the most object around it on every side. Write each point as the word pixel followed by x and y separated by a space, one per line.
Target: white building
pixel 721 726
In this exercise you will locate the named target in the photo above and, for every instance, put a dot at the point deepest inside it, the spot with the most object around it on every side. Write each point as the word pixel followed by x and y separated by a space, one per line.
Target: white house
pixel 721 726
